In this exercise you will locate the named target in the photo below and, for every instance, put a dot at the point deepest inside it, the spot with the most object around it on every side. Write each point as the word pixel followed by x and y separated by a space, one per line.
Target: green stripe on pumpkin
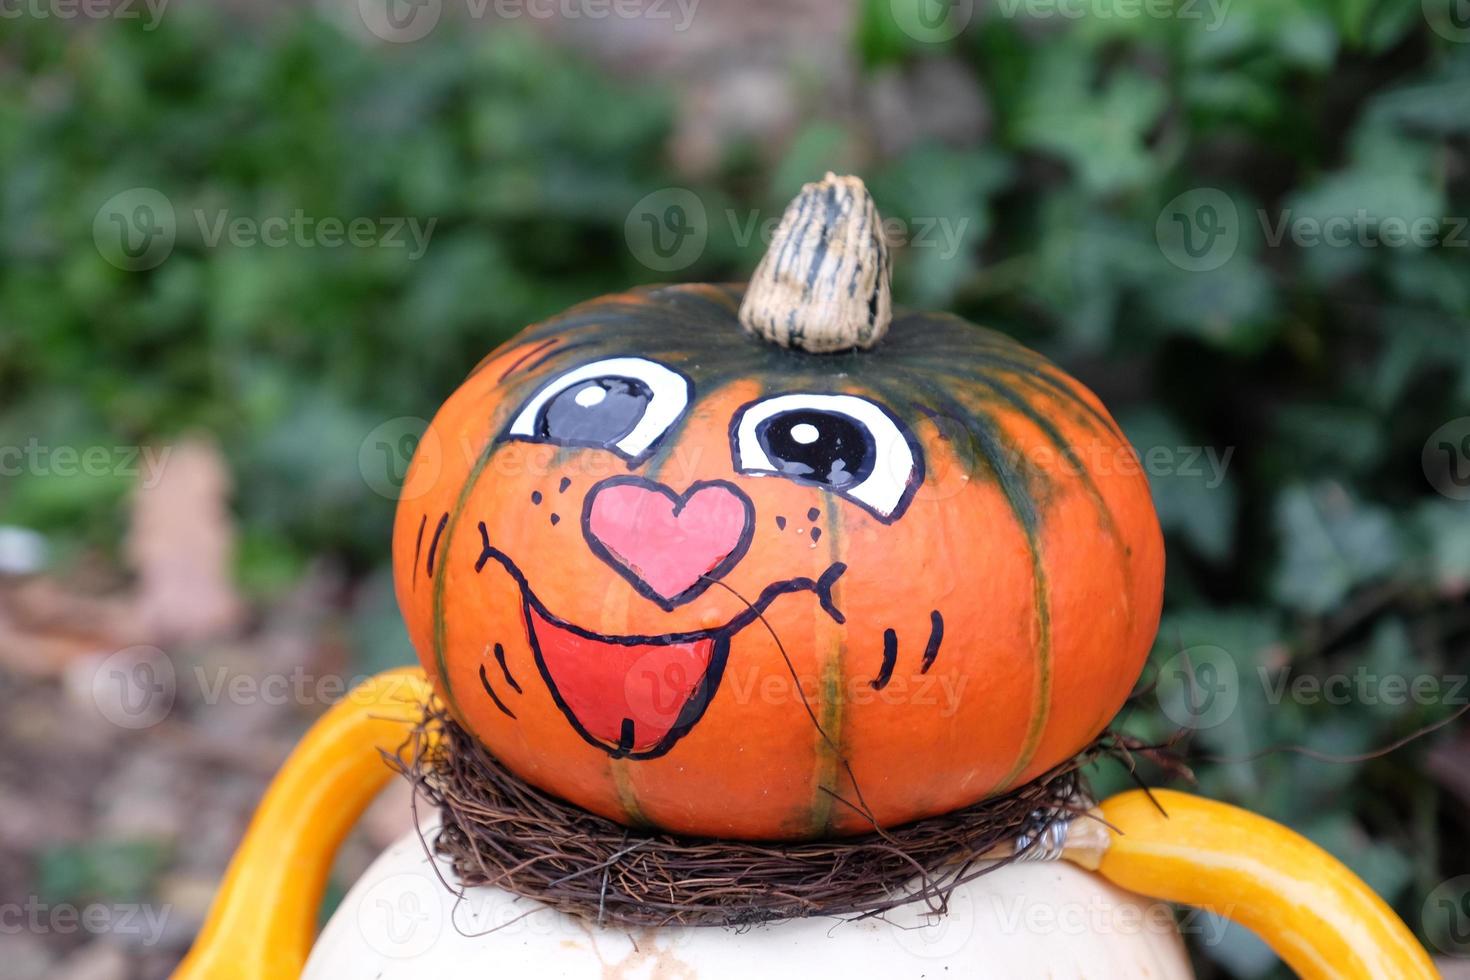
pixel 829 766
pixel 828 769
pixel 1022 501
pixel 497 424
pixel 441 662
pixel 633 815
pixel 1037 376
pixel 1105 513
pixel 1061 445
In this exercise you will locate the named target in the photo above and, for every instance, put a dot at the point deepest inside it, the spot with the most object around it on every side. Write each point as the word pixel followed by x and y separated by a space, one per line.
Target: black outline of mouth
pixel 704 692
pixel 692 710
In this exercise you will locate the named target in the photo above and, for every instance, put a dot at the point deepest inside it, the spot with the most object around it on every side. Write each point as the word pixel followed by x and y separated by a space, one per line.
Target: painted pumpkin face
pixel 685 578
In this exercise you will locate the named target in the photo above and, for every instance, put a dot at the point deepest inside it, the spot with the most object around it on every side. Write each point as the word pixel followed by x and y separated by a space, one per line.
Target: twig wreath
pixel 497 830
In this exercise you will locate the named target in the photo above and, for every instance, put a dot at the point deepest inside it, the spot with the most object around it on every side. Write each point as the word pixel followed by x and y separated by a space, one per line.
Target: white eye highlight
pixel 805 433
pixel 841 443
pixel 624 404
pixel 591 395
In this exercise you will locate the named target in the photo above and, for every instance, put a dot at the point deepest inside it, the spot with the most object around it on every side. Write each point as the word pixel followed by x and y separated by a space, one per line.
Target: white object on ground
pixel 22 551
pixel 1031 919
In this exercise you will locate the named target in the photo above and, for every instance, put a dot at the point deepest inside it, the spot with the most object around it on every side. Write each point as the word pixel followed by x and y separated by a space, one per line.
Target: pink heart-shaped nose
pixel 670 547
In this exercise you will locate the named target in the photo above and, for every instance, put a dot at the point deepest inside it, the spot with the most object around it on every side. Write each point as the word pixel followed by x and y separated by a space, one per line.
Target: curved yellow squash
pixel 1316 914
pixel 263 921
pixel 1319 917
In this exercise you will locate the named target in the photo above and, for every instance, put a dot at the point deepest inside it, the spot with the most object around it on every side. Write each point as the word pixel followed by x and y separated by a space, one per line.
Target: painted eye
pixel 842 443
pixel 624 404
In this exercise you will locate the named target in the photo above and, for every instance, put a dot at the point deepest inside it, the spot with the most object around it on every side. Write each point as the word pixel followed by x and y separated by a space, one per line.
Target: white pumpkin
pixel 1031 919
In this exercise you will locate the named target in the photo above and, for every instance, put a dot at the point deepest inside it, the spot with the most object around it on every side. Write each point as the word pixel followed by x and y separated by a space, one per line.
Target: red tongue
pixel 628 695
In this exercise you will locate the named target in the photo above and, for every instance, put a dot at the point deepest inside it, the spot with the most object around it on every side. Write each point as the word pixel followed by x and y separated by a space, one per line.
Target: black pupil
pixel 598 412
pixel 822 447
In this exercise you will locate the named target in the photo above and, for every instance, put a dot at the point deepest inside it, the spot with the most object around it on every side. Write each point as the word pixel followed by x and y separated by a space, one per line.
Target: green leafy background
pixel 1322 547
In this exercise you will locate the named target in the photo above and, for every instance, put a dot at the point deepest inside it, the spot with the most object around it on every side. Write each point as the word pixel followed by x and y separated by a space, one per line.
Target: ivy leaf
pixel 1421 340
pixel 1388 200
pixel 1237 716
pixel 938 199
pixel 1436 104
pixel 1443 529
pixel 1384 870
pixel 1330 544
pixel 1230 307
pixel 1352 18
pixel 1193 493
pixel 1085 260
pixel 1332 437
pixel 1102 135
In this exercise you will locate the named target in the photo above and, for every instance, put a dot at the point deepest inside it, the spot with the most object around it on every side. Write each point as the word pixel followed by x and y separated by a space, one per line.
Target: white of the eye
pixel 805 433
pixel 590 395
pixel 894 463
pixel 670 397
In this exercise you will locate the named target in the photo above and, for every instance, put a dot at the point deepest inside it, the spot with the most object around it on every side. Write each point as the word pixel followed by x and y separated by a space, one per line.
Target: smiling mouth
pixel 634 697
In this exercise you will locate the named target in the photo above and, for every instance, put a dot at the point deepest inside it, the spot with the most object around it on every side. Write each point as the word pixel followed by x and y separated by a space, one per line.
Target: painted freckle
pixel 555 519
pixel 816 534
pixel 536 497
pixel 813 514
pixel 566 481
pixel 780 523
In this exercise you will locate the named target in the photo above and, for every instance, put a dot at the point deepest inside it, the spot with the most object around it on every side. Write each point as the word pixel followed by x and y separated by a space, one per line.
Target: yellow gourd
pixel 263 920
pixel 1305 904
pixel 1308 907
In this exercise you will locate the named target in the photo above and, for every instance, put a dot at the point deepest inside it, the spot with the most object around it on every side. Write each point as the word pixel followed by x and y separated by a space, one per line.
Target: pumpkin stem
pixel 823 283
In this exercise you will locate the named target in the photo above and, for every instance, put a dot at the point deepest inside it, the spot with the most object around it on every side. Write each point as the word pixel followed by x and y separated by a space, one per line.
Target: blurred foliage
pixel 1290 389
pixel 99 870
pixel 290 355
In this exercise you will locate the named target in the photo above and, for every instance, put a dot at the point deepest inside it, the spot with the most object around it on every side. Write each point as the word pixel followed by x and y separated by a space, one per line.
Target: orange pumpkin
pixel 686 577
